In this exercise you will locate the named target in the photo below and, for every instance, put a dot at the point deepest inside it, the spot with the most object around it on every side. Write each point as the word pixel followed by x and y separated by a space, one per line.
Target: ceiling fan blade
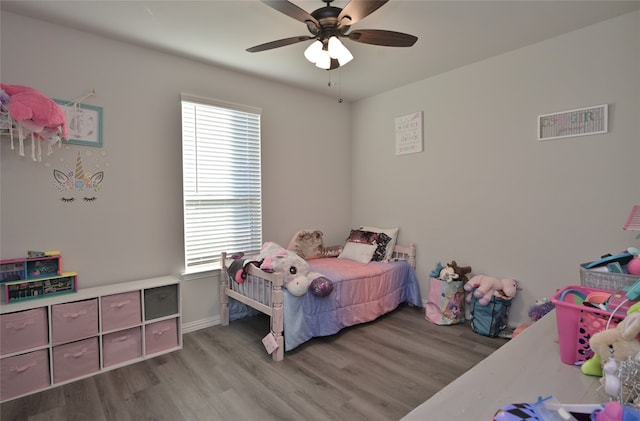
pixel 356 10
pixel 279 43
pixel 382 37
pixel 291 10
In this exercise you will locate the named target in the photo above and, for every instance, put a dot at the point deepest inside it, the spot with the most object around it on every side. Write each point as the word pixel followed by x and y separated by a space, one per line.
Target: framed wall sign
pixel 408 130
pixel 579 122
pixel 84 123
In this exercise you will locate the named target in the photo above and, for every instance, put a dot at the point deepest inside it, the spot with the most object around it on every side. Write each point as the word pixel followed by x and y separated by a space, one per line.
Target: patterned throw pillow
pixel 362 237
pixel 391 232
pixel 381 251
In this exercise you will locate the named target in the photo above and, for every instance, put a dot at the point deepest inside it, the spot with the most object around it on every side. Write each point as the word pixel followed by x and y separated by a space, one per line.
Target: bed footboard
pixel 260 290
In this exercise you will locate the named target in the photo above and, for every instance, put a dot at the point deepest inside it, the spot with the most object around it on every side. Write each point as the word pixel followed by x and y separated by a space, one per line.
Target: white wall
pixel 485 192
pixel 134 228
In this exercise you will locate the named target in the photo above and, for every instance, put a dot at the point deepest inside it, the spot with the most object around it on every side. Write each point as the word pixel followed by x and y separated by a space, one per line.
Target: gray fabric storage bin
pixel 160 302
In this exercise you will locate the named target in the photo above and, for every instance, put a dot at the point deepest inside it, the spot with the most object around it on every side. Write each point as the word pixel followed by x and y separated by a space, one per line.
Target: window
pixel 221 181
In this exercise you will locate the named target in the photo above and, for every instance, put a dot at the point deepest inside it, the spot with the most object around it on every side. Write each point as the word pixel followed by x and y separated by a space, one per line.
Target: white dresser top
pixel 520 371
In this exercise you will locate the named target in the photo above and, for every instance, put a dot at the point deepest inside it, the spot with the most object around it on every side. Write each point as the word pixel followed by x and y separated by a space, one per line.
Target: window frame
pixel 222 215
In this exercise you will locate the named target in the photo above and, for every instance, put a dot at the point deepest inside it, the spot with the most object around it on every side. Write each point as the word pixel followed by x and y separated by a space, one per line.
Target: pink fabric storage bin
pixel 160 336
pixel 24 374
pixel 121 310
pixel 578 322
pixel 121 346
pixel 72 321
pixel 23 330
pixel 75 359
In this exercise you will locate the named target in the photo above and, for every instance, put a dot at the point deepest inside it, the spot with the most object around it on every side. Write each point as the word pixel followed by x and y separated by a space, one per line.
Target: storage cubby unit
pixel 56 340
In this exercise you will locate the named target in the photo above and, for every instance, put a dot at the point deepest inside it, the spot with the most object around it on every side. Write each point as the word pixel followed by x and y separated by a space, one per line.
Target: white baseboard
pixel 200 324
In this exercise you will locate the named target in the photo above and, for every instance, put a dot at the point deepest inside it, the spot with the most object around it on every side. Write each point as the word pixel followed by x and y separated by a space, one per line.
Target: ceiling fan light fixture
pixel 328 24
pixel 324 60
pixel 313 51
pixel 338 51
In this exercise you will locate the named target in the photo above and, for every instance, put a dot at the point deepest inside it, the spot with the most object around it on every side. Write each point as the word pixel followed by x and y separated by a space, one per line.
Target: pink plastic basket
pixel 578 322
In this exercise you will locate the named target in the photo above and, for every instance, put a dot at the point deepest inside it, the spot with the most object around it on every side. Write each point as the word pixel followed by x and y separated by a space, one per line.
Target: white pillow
pixel 358 252
pixel 391 232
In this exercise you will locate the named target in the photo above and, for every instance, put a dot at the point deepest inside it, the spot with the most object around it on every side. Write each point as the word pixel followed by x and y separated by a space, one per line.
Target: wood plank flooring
pixel 375 371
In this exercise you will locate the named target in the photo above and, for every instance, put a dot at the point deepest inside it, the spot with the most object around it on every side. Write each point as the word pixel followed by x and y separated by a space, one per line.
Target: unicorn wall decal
pixel 78 181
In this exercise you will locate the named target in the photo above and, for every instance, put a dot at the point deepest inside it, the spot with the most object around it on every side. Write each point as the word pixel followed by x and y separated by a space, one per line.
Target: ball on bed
pixel 321 286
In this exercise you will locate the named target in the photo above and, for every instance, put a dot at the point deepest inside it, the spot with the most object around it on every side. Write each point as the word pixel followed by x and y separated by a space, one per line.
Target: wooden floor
pixel 376 371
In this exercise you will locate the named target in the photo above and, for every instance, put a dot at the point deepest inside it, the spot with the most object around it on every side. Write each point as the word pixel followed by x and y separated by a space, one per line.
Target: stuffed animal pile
pixel 29 112
pixel 451 272
pixel 297 278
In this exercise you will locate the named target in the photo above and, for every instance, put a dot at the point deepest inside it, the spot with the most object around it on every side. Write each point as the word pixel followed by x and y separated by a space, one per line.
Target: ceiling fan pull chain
pixel 340 85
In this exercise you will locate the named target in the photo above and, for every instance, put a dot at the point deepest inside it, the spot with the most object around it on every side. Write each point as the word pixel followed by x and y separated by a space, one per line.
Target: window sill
pixel 202 274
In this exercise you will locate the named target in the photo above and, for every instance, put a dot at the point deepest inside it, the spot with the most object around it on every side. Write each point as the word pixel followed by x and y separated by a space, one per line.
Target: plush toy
pixel 237 270
pixel 448 274
pixel 461 271
pixel 34 114
pixel 295 269
pixel 307 244
pixel 621 342
pixel 435 273
pixel 484 287
pixel 536 312
pixel 540 308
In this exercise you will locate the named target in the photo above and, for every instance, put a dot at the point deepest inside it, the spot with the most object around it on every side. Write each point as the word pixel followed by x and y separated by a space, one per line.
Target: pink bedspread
pixel 361 293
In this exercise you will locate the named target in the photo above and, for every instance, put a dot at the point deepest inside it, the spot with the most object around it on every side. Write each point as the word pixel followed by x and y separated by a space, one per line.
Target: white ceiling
pixel 450 34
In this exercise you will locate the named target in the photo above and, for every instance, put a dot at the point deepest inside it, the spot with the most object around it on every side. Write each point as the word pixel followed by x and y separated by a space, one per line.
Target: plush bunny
pixel 620 342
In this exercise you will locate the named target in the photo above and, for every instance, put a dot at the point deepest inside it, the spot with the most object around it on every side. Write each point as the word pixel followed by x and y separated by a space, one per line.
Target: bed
pixel 362 292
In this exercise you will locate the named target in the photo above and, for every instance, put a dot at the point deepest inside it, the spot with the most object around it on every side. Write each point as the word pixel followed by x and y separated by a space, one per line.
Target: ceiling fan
pixel 328 24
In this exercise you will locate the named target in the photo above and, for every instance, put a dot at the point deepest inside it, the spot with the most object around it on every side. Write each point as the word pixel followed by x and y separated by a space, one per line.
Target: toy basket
pixel 578 322
pixel 606 280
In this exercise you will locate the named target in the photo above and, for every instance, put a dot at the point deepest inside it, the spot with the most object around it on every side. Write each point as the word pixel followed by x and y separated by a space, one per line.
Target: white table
pixel 523 369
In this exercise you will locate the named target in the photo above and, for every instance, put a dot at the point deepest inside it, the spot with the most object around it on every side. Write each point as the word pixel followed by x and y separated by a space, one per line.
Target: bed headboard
pixel 407 253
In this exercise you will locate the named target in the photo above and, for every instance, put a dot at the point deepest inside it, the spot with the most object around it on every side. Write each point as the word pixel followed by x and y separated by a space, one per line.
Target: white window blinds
pixel 221 181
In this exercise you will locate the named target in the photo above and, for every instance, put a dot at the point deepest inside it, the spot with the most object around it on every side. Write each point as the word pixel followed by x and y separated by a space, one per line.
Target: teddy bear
pixel 484 287
pixel 461 271
pixel 297 278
